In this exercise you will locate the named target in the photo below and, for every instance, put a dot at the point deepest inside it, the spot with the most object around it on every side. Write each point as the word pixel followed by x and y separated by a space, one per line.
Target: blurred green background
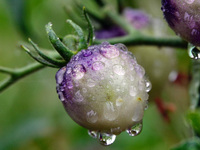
pixel 31 115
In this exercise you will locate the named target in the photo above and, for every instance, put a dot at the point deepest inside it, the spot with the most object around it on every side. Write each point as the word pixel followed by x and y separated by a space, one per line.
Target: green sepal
pixel 64 51
pixel 90 28
pixel 38 59
pixel 59 63
pixel 82 42
pixel 71 41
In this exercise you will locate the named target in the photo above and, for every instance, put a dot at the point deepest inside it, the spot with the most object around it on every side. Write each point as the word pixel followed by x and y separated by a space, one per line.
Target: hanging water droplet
pixel 106 139
pixel 93 134
pixel 194 52
pixel 146 105
pixel 118 69
pixel 135 130
pixel 148 85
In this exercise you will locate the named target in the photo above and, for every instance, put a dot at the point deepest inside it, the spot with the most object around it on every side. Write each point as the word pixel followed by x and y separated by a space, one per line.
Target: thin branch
pixel 147 40
pixel 19 73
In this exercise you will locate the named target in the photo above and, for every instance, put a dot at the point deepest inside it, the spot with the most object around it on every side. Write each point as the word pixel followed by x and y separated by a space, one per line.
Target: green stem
pixel 19 73
pixel 134 40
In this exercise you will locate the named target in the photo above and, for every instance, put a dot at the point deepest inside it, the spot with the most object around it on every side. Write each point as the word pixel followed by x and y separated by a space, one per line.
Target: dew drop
pixel 140 70
pixel 148 85
pixel 78 71
pixel 110 112
pixel 90 83
pixel 109 51
pixel 189 1
pixel 86 53
pixel 132 91
pixel 119 70
pixel 194 52
pixel 61 96
pixel 69 70
pixel 106 139
pixel 121 46
pixel 187 17
pixel 146 105
pixel 69 85
pixel 98 65
pixel 59 75
pixel 135 130
pixel 78 97
pixel 93 134
pixel 92 116
pixel 119 101
pixel 195 32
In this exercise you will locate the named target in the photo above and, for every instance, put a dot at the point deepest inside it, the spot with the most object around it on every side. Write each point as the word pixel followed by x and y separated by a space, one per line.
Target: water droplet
pixel 146 105
pixel 90 83
pixel 78 71
pixel 195 32
pixel 121 46
pixel 187 17
pixel 61 96
pixel 59 75
pixel 109 51
pixel 86 53
pixel 148 85
pixel 78 97
pixel 110 112
pixel 92 116
pixel 135 130
pixel 106 139
pixel 69 70
pixel 93 134
pixel 140 70
pixel 70 85
pixel 194 52
pixel 98 65
pixel 189 1
pixel 118 69
pixel 133 91
pixel 119 101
